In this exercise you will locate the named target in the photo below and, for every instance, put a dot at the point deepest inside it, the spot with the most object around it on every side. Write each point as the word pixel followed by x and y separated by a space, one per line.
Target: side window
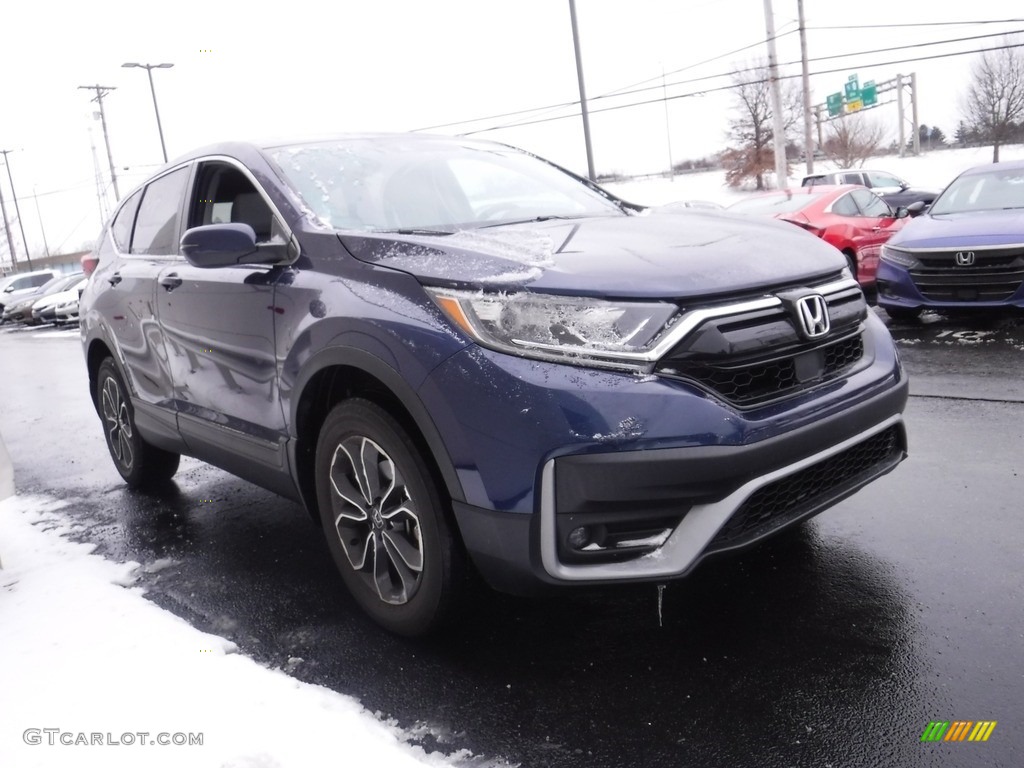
pixel 156 226
pixel 121 229
pixel 852 178
pixel 845 206
pixel 224 194
pixel 870 204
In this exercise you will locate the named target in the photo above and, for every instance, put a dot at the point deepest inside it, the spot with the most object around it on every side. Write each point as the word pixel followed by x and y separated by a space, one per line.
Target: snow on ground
pixel 931 170
pixel 93 674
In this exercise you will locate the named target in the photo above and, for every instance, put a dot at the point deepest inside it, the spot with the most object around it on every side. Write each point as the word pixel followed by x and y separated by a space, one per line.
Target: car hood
pixel 975 229
pixel 693 253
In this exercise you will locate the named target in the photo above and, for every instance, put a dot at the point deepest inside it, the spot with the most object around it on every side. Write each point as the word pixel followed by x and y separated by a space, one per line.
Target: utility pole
pixel 778 128
pixel 808 137
pixel 46 246
pixel 899 113
pixel 913 112
pixel 101 91
pixel 668 130
pixel 583 90
pixel 7 229
pixel 17 209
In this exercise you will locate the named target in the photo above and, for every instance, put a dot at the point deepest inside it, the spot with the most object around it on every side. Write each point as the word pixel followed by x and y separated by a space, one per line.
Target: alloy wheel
pixel 376 519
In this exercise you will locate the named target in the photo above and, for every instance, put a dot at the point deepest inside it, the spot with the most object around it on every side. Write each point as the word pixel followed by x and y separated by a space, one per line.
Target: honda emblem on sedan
pixel 964 258
pixel 812 312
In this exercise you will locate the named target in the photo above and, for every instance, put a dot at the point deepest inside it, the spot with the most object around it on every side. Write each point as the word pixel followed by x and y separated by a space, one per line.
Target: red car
pixel 850 217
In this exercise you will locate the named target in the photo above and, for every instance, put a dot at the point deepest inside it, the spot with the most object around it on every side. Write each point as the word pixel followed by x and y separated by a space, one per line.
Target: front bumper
pixel 945 290
pixel 657 474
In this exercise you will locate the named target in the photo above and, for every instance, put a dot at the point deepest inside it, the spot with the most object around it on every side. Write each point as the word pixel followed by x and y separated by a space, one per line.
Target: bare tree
pixel 995 96
pixel 852 139
pixel 751 154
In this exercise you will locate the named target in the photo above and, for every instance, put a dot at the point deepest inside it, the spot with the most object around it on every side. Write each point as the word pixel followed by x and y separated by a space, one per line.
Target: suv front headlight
pixel 570 329
pixel 899 257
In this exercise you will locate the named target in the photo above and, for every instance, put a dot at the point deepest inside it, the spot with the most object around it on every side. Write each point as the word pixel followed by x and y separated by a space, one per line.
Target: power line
pixel 703 78
pixel 733 85
pixel 924 24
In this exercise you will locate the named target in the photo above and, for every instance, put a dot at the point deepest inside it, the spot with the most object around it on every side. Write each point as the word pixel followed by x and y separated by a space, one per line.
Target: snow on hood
pixel 952 230
pixel 695 254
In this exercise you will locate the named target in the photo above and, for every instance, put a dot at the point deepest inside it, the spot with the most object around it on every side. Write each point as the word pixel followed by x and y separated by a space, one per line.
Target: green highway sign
pixel 869 93
pixel 835 104
pixel 852 87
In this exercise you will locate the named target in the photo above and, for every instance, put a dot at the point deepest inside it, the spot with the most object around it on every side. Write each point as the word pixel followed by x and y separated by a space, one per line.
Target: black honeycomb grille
pixel 757 382
pixel 777 503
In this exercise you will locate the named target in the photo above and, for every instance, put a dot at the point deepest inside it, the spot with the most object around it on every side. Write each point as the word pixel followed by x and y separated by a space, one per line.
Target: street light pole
pixel 17 208
pixel 149 71
pixel 583 91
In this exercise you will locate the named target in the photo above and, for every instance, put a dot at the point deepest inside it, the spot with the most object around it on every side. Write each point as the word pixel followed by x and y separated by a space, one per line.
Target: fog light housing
pixel 578 538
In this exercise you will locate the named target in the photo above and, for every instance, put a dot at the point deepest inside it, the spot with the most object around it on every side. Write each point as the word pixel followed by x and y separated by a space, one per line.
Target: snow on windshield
pixel 412 183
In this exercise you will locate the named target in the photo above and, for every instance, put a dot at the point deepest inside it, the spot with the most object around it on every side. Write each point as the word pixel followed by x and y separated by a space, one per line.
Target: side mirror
pixel 902 212
pixel 225 245
pixel 917 207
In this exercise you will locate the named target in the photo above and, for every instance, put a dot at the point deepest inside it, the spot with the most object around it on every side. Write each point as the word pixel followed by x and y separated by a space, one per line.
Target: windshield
pixel 422 183
pixel 991 190
pixel 783 202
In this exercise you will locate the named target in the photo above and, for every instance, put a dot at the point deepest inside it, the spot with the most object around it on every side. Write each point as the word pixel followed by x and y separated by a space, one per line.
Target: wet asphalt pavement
pixel 833 645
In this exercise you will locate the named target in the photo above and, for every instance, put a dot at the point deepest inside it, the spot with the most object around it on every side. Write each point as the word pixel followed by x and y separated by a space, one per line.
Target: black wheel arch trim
pixel 359 359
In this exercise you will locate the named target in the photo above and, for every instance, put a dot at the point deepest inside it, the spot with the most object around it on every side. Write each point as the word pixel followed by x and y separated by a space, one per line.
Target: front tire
pixel 140 464
pixel 385 522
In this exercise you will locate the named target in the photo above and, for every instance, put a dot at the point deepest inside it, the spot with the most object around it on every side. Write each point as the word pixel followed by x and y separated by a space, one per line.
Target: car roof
pixel 1010 165
pixel 236 148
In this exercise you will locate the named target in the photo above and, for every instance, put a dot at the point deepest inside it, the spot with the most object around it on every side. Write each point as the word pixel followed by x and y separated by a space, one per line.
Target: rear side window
pixel 852 178
pixel 36 280
pixel 121 229
pixel 159 218
pixel 812 181
pixel 870 204
pixel 845 206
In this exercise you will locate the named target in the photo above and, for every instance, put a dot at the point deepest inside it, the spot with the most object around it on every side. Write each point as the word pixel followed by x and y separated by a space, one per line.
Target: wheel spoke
pixel 342 474
pixel 400 548
pixel 370 458
pixel 375 519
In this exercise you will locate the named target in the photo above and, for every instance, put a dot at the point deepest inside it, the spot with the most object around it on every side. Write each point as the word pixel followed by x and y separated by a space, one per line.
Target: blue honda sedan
pixel 966 251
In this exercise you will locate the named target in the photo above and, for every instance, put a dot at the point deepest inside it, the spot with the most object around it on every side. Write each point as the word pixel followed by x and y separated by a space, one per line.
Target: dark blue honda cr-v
pixel 460 358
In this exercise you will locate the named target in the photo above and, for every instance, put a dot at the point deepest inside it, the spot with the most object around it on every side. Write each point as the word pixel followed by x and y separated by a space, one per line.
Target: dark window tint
pixel 121 230
pixel 156 226
pixel 852 178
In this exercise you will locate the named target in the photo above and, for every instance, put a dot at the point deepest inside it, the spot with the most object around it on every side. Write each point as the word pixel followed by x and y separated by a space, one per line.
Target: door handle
pixel 170 282
pixel 115 278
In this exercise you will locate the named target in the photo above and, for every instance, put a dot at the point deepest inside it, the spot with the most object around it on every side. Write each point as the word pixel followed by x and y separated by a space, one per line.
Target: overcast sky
pixel 259 70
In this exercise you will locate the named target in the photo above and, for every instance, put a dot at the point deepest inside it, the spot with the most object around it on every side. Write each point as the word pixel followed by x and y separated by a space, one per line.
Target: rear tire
pixel 140 464
pixel 385 521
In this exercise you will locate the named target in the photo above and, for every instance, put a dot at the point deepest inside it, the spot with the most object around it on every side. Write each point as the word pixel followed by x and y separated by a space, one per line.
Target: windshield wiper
pixel 413 231
pixel 532 220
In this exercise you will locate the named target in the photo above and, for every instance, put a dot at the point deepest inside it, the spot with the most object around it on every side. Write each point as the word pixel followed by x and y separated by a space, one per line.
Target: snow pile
pixel 92 674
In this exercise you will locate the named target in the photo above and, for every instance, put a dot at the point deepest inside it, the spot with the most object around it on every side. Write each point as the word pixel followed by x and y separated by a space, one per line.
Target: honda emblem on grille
pixel 812 313
pixel 964 258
